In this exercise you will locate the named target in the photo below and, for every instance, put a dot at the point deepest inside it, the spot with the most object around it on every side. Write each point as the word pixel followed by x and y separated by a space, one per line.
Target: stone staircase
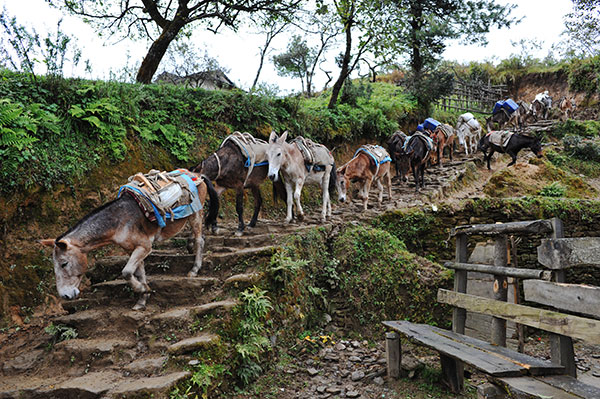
pixel 121 353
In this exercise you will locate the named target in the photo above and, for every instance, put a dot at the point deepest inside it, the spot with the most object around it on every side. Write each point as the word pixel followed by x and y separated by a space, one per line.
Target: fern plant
pixel 252 333
pixel 15 126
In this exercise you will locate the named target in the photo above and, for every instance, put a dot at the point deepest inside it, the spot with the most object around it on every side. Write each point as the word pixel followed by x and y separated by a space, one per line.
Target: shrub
pixel 554 189
pixel 584 75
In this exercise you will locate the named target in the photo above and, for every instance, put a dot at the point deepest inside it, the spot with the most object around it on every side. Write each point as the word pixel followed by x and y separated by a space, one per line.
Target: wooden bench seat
pixel 494 360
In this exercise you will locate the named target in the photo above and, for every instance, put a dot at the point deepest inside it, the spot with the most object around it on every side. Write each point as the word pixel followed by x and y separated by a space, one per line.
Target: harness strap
pixel 218 165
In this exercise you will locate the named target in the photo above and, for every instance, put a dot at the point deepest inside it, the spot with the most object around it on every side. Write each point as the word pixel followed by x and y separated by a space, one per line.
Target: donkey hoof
pixel 300 217
pixel 239 233
pixel 139 307
pixel 192 274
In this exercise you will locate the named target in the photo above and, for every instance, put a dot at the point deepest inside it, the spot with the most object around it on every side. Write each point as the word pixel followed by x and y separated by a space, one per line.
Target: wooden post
pixel 393 354
pixel 452 369
pixel 460 284
pixel 561 346
pixel 500 290
pixel 453 375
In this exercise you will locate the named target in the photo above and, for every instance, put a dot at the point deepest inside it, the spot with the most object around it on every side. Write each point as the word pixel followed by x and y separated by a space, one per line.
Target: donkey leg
pixel 326 200
pixel 140 274
pixel 257 205
pixel 136 261
pixel 239 207
pixel 414 171
pixel 290 203
pixel 380 187
pixel 196 224
pixel 514 158
pixel 297 194
pixel 389 185
pixel 365 194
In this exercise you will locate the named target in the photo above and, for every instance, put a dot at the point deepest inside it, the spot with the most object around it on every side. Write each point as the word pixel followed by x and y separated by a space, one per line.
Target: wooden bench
pixel 520 375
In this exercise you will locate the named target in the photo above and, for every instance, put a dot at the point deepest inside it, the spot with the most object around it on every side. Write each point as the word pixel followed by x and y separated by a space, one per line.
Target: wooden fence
pixel 473 97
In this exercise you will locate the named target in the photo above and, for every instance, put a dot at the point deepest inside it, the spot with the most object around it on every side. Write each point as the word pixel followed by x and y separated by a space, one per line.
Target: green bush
pixel 554 189
pixel 584 75
pixel 577 128
pixel 587 150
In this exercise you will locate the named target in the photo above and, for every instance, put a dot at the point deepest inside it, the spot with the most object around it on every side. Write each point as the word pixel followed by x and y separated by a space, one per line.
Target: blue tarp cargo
pixel 431 124
pixel 510 106
pixel 420 127
pixel 498 106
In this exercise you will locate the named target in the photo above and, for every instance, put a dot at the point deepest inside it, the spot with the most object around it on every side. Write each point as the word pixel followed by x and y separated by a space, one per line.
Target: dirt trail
pixel 122 353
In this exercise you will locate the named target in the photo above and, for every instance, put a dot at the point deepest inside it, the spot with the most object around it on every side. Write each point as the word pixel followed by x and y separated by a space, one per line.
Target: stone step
pixel 182 317
pixel 220 261
pixel 96 352
pixel 167 290
pixel 193 344
pixel 148 387
pixel 92 385
pixel 147 365
pixel 241 281
pixel 100 321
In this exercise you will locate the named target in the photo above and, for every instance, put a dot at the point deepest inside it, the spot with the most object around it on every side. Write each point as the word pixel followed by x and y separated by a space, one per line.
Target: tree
pixel 22 49
pixel 373 23
pixel 430 24
pixel 162 22
pixel 297 61
pixel 272 29
pixel 583 28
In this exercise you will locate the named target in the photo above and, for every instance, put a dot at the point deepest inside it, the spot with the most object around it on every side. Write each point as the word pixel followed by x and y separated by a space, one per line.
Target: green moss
pixel 383 281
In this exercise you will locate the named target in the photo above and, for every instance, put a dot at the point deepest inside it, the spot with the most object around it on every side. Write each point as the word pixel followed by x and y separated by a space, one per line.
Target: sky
pixel 542 20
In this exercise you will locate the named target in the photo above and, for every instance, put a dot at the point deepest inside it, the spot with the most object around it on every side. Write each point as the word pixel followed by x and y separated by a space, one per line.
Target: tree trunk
pixel 337 87
pixel 157 51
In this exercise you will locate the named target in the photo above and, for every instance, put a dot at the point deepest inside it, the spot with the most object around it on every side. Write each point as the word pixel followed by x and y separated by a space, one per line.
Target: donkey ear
pixel 283 137
pixel 62 245
pixel 49 242
pixel 273 137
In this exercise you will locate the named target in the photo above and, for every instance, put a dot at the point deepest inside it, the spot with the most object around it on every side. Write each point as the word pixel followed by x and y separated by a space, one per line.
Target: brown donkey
pixel 123 222
pixel 443 137
pixel 365 169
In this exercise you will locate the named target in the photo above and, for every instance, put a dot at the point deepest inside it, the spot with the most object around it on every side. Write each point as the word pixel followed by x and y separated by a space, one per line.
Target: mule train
pixel 157 205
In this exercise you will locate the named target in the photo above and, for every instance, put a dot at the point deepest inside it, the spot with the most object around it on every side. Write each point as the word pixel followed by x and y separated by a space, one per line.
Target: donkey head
pixel 275 154
pixel 342 183
pixel 70 264
pixel 536 147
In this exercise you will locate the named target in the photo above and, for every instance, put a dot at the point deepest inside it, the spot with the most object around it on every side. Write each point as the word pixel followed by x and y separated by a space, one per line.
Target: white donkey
pixel 289 160
pixel 468 131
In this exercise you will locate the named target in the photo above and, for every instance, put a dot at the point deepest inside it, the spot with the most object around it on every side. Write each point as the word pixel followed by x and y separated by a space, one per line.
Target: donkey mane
pixel 86 217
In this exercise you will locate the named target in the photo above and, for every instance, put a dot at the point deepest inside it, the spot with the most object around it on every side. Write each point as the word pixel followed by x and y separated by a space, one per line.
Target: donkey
pixel 500 118
pixel 567 106
pixel 419 153
pixel 227 168
pixel 541 105
pixel 519 118
pixel 515 144
pixel 287 159
pixel 443 137
pixel 122 222
pixel 363 169
pixel 468 131
pixel 396 149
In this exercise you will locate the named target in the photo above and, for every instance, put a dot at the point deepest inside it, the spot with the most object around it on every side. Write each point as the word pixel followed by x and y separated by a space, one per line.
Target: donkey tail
pixel 213 203
pixel 332 179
